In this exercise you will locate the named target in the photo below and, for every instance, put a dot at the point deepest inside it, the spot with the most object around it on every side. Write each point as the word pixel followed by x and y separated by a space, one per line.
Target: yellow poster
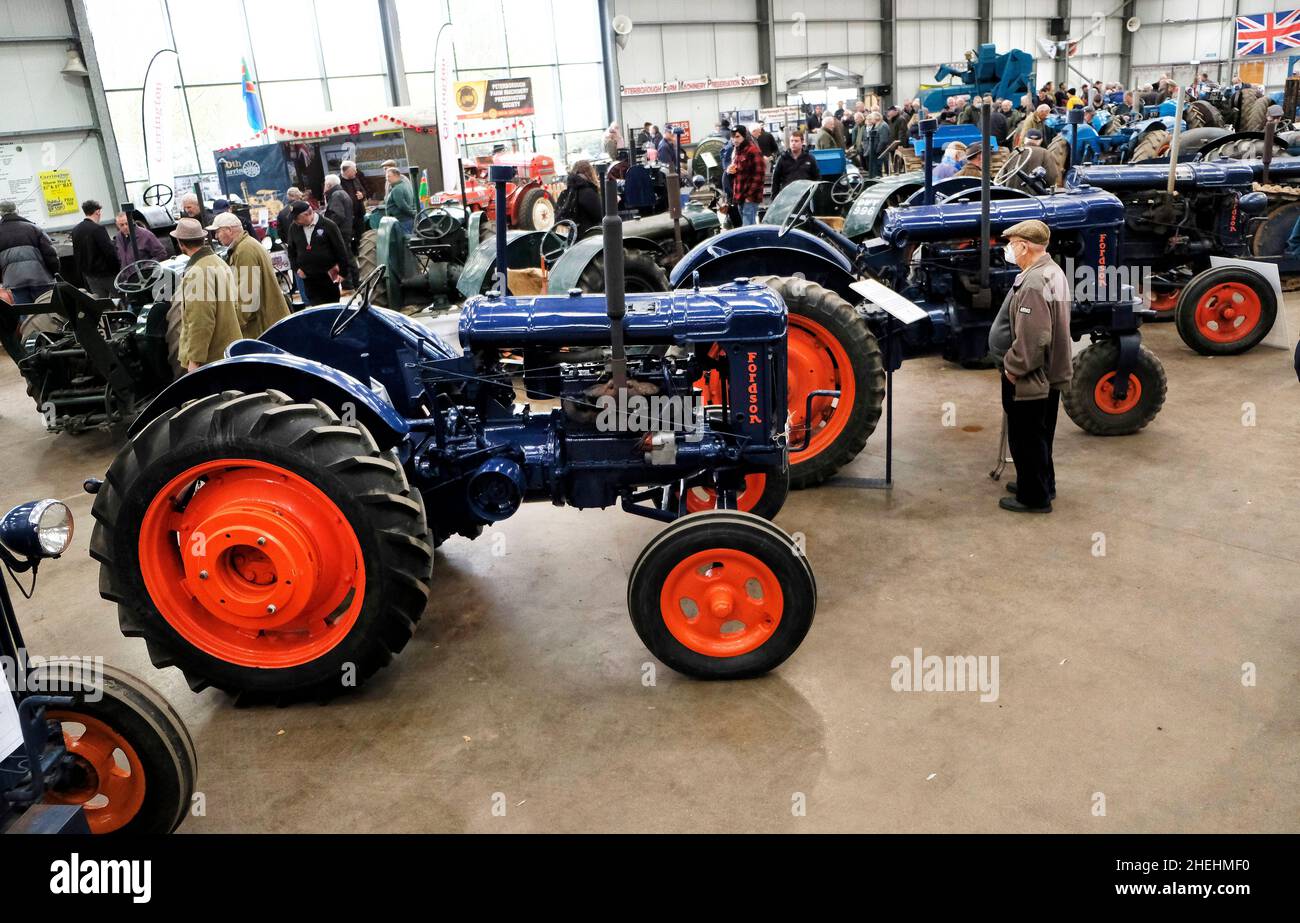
pixel 60 198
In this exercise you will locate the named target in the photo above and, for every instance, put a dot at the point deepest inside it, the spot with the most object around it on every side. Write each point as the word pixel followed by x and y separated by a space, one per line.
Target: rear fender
pixel 523 251
pixel 568 269
pixel 759 250
pixel 301 379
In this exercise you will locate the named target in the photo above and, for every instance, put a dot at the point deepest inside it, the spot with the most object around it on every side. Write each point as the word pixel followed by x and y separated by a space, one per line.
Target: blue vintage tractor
pixel 931 255
pixel 269 528
pixel 1009 75
pixel 1217 208
pixel 95 750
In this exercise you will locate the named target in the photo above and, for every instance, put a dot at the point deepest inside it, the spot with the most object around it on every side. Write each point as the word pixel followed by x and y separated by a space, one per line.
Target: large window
pixel 307 56
pixel 313 56
pixel 556 44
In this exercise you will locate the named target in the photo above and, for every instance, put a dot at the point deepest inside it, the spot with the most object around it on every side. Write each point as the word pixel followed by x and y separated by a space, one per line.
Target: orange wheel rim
pixel 256 567
pixel 706 498
pixel 1104 394
pixel 1228 312
pixel 1166 301
pixel 817 362
pixel 721 602
pixel 111 783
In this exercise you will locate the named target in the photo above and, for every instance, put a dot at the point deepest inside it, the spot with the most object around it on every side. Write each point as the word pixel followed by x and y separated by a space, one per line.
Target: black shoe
pixel 1015 506
pixel 1011 489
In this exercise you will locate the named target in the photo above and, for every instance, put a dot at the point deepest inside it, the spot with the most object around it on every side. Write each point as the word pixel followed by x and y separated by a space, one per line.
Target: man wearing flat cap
pixel 207 299
pixel 1031 338
pixel 261 303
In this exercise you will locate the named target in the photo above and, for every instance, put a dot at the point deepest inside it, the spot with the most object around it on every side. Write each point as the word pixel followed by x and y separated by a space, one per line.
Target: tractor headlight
pixel 39 529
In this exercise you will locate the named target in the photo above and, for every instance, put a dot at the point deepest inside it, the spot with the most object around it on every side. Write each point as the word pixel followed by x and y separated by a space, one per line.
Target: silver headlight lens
pixel 52 521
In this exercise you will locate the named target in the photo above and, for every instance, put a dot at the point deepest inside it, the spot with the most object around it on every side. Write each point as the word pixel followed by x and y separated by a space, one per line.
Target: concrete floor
pixel 1118 674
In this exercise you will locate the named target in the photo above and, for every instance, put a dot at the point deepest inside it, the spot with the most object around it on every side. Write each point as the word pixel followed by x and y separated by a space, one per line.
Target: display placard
pixel 18 182
pixel 685 126
pixel 501 98
pixel 60 197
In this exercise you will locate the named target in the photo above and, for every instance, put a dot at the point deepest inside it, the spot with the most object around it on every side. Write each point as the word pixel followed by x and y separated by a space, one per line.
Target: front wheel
pixel 1090 400
pixel 536 211
pixel 722 595
pixel 130 761
pixel 262 546
pixel 1226 311
pixel 829 348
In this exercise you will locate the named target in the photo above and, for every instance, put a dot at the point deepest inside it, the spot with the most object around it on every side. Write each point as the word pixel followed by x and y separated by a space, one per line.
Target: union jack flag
pixel 1268 33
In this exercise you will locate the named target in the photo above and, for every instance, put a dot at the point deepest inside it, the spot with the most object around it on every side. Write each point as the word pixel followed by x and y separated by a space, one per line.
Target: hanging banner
pixel 1268 33
pixel 693 86
pixel 445 79
pixel 159 102
pixel 252 170
pixel 505 98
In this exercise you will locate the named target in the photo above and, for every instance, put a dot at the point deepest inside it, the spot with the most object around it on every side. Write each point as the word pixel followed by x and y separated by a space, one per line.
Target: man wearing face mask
pixel 1030 337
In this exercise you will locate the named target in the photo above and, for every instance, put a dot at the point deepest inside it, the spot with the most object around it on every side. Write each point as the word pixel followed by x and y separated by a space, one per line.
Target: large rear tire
pixel 263 547
pixel 1058 151
pixel 133 766
pixel 1090 401
pixel 1155 143
pixel 1200 114
pixel 1271 234
pixel 1254 113
pixel 830 348
pixel 640 274
pixel 367 262
pixel 1226 311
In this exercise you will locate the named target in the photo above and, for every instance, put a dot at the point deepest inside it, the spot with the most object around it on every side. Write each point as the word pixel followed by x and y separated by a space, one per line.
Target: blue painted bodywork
pixel 759 250
pixel 1009 75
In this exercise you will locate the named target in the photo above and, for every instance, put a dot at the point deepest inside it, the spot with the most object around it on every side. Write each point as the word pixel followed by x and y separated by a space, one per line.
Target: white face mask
pixel 1010 255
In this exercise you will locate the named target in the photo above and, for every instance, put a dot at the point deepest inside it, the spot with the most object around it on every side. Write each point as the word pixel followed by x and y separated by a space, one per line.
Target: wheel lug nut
pixel 262 540
pixel 270 609
pixel 203 575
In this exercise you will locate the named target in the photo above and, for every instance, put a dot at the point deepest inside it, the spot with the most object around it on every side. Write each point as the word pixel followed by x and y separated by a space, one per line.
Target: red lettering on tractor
pixel 753 389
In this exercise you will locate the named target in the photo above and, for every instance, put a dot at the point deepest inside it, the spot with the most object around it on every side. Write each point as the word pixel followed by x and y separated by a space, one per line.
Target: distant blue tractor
pixel 1003 76
pixel 269 528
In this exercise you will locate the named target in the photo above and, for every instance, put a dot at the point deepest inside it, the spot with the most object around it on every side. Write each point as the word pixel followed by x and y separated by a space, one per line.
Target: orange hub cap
pixel 111 786
pixel 721 602
pixel 1166 301
pixel 706 498
pixel 1104 394
pixel 817 362
pixel 1228 312
pixel 252 564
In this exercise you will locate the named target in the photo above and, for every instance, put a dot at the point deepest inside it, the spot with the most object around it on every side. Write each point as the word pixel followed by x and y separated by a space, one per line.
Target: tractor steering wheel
pixel 435 223
pixel 158 194
pixel 845 189
pixel 359 303
pixel 562 235
pixel 1013 167
pixel 797 214
pixel 140 276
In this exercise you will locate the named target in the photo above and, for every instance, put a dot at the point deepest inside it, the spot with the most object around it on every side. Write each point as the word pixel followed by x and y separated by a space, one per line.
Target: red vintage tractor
pixel 531 205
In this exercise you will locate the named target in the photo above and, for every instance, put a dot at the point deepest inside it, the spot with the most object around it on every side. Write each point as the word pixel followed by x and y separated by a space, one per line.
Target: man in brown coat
pixel 207 296
pixel 1031 337
pixel 261 302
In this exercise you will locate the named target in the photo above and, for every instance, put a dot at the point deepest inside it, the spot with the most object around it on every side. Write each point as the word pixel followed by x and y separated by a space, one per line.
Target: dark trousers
pixel 321 289
pixel 1031 428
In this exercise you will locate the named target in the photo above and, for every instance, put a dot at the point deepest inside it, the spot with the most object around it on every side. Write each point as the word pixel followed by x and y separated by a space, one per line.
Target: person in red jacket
pixel 747 170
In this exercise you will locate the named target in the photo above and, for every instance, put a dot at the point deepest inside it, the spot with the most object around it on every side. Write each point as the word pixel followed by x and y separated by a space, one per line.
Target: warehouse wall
pixel 1175 32
pixel 682 39
pixel 929 33
pixel 844 33
pixel 49 120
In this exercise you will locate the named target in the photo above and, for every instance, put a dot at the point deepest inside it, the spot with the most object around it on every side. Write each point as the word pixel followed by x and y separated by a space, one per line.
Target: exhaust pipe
pixel 500 174
pixel 612 233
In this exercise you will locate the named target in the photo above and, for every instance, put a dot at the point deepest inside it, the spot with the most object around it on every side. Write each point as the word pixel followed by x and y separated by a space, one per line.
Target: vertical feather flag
pixel 252 104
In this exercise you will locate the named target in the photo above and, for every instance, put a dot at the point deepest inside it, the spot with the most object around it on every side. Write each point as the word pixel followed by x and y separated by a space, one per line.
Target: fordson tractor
pixel 84 747
pixel 932 255
pixel 269 527
pixel 1215 208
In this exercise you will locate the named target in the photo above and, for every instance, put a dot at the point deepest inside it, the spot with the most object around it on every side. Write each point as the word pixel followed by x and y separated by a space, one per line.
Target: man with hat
pixel 261 303
pixel 1031 338
pixel 206 298
pixel 317 249
pixel 974 160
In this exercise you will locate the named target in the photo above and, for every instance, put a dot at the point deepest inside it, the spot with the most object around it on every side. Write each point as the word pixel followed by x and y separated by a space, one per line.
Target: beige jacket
pixel 209 311
pixel 1039 309
pixel 261 303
